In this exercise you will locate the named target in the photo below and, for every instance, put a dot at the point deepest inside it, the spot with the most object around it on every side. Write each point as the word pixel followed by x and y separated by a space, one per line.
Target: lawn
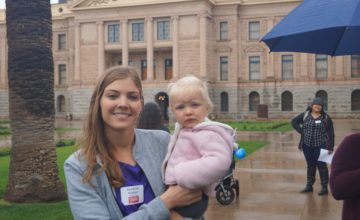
pixel 5 129
pixel 260 126
pixel 34 211
pixel 281 126
pixel 59 210
pixel 251 146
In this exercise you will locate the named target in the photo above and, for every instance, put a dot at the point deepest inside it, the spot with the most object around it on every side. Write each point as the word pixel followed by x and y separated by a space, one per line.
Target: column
pixel 270 56
pixel 203 46
pixel 3 62
pixel 149 49
pixel 77 52
pixel 175 52
pixel 303 65
pixel 339 68
pixel 125 42
pixel 101 56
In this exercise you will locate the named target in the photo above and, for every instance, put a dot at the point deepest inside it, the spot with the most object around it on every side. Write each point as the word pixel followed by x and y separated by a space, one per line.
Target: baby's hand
pixel 175 216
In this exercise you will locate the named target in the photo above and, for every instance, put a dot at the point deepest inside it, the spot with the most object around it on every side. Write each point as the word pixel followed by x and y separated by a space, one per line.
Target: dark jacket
pixel 298 122
pixel 345 176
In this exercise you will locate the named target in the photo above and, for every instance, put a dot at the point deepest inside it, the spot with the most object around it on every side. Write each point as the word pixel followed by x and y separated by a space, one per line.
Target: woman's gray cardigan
pixel 99 203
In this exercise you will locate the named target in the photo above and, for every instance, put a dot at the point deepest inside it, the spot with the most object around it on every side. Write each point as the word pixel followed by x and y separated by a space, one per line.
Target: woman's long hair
pixel 93 141
pixel 150 117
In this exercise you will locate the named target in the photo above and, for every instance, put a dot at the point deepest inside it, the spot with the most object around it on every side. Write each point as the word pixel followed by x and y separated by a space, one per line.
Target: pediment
pixel 92 4
pixel 253 49
pixel 223 49
pixel 83 4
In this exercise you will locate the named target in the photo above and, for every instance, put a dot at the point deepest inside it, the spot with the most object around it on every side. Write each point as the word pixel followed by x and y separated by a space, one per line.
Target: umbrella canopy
pixel 319 26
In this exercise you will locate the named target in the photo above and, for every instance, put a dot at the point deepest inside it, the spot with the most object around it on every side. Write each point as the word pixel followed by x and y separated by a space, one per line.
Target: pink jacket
pixel 197 158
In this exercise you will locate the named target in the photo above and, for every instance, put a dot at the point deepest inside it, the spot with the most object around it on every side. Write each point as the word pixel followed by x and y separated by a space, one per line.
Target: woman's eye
pixel 112 96
pixel 134 97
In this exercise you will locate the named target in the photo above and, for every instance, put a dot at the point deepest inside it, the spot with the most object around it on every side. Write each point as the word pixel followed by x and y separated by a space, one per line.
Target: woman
pixel 345 176
pixel 317 132
pixel 116 174
pixel 151 117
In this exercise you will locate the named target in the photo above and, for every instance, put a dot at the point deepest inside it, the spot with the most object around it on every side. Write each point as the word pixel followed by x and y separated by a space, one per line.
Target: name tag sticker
pixel 132 195
pixel 317 121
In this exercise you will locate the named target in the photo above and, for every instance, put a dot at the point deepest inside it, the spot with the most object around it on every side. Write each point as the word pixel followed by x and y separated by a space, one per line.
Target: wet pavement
pixel 271 178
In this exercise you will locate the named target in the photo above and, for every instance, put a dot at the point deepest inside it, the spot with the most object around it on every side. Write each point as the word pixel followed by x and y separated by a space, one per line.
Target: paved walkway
pixel 271 178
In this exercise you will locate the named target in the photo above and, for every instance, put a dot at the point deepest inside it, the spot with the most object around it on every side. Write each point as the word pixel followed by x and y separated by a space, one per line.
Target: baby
pixel 200 150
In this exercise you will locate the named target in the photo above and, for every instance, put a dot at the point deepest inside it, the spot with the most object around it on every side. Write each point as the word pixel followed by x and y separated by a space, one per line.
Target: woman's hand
pixel 176 196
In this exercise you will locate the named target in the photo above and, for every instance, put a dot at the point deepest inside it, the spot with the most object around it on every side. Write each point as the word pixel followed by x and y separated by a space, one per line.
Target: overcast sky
pixel 2 2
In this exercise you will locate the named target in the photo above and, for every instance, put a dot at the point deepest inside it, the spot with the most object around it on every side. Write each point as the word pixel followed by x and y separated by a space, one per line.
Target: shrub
pixel 65 142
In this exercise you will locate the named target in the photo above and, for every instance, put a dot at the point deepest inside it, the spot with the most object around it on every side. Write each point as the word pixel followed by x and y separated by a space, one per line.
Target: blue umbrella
pixel 319 26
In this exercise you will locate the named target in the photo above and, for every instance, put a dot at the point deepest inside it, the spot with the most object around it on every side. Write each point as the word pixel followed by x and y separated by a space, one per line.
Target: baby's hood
pixel 224 130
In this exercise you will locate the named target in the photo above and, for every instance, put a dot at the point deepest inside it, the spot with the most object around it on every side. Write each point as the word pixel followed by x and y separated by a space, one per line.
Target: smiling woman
pixel 116 173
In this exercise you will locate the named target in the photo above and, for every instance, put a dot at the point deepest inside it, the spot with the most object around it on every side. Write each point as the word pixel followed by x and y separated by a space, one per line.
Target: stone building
pixel 217 40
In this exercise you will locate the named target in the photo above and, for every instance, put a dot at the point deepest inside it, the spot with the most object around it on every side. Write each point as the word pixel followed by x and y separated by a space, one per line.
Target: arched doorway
pixel 163 101
pixel 323 95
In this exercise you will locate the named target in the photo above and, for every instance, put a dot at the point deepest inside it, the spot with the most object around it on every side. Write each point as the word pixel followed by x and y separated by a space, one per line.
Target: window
pixel 355 66
pixel 223 30
pixel 61 103
pixel 286 67
pixel 163 30
pixel 254 67
pixel 323 95
pixel 138 31
pixel 143 70
pixel 224 102
pixel 224 68
pixel 168 69
pixel 355 100
pixel 254 101
pixel 61 41
pixel 113 33
pixel 62 74
pixel 286 101
pixel 321 66
pixel 254 30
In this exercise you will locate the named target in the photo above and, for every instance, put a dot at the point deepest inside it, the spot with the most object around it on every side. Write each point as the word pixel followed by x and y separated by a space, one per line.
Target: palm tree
pixel 33 174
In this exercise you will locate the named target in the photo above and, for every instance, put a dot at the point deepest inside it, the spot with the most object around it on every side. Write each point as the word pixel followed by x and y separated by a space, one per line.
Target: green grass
pixel 4 130
pixel 60 210
pixel 260 126
pixel 251 146
pixel 34 211
pixel 282 126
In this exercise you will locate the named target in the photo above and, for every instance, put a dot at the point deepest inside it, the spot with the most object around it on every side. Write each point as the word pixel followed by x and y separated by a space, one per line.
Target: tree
pixel 33 172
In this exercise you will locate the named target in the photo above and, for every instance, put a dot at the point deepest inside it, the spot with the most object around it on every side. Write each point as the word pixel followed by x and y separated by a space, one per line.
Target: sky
pixel 2 2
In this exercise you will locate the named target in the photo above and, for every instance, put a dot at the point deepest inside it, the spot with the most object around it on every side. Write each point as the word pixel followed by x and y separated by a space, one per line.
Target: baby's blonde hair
pixel 189 84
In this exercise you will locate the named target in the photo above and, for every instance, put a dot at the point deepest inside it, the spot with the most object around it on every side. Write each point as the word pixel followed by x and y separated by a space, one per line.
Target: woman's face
pixel 316 108
pixel 120 105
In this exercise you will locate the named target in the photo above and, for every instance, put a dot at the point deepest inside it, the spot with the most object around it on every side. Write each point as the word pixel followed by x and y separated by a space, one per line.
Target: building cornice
pixel 61 11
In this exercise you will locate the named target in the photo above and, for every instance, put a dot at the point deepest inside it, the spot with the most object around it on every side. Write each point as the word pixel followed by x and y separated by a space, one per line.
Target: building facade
pixel 217 40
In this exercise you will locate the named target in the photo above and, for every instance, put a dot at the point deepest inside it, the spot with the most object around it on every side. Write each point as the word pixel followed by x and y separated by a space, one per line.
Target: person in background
pixel 317 132
pixel 116 173
pixel 200 150
pixel 151 117
pixel 345 176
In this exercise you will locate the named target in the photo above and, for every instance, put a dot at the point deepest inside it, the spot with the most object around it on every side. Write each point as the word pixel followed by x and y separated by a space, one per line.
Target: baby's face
pixel 189 109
